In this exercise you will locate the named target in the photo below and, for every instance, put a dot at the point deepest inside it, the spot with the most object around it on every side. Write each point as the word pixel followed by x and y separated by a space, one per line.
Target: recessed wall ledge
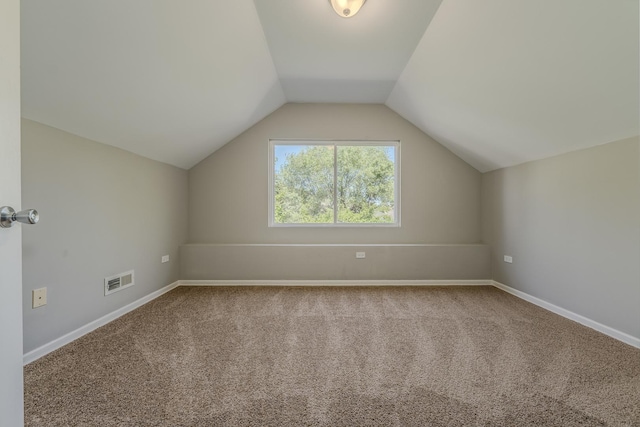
pixel 335 244
pixel 353 261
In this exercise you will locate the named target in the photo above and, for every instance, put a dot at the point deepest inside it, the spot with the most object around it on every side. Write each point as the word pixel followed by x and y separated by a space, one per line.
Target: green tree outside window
pixel 326 184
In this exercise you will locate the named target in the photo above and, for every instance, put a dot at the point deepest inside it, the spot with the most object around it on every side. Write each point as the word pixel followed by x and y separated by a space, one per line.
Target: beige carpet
pixel 391 356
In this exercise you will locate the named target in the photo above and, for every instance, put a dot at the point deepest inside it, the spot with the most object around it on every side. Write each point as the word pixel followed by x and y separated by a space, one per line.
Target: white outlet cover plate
pixel 508 259
pixel 39 297
pixel 360 255
pixel 165 258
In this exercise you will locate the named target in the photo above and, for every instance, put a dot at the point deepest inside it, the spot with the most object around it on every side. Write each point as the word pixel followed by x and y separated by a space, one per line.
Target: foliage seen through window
pixel 334 183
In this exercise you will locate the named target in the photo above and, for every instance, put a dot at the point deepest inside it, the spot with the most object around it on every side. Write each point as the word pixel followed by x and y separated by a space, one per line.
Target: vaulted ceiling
pixel 498 82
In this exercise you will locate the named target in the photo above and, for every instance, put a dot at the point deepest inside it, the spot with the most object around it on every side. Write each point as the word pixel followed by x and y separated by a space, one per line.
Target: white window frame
pixel 343 142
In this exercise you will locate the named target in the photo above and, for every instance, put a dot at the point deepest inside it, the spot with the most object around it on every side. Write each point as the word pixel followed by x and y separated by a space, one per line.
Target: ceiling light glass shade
pixel 346 8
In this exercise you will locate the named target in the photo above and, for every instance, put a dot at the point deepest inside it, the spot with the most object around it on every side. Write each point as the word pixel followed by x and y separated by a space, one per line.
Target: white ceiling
pixel 321 57
pixel 499 82
pixel 502 82
pixel 155 77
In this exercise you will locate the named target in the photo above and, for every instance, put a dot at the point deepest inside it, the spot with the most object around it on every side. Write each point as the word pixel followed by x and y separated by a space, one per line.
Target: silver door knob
pixel 8 216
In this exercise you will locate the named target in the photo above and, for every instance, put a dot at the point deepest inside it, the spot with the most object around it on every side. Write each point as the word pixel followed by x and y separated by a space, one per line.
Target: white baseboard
pixel 83 330
pixel 613 333
pixel 336 283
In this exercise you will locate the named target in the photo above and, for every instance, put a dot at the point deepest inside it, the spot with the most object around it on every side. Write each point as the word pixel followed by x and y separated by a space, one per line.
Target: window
pixel 338 183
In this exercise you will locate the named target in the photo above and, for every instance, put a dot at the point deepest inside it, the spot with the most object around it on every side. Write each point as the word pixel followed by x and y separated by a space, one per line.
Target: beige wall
pixel 103 211
pixel 572 225
pixel 228 191
pixel 335 262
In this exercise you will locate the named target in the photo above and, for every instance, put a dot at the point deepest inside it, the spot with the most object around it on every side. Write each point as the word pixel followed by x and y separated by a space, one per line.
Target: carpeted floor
pixel 371 356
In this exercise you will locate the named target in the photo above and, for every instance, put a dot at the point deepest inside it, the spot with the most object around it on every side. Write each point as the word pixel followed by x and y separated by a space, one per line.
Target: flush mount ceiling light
pixel 347 8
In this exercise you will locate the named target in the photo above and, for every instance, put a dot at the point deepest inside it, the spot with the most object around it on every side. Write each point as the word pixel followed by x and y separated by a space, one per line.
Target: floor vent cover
pixel 118 282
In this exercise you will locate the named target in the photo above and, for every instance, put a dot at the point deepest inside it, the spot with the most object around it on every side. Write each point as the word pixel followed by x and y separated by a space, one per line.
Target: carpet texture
pixel 336 356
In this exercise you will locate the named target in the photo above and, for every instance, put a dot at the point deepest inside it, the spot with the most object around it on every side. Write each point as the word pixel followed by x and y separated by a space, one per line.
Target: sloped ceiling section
pixel 502 82
pixel 169 80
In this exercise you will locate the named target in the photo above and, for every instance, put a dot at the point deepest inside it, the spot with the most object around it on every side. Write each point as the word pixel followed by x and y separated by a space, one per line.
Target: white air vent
pixel 118 282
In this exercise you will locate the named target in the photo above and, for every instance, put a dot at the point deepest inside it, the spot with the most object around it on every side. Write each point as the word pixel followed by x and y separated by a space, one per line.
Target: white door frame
pixel 11 381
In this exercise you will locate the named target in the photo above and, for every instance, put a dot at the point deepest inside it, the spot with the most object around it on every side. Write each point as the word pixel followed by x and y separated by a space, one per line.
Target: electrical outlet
pixel 508 259
pixel 361 255
pixel 39 297
pixel 165 258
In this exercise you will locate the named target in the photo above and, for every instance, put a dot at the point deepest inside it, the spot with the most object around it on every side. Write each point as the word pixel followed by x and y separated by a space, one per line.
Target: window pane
pixel 303 184
pixel 366 184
